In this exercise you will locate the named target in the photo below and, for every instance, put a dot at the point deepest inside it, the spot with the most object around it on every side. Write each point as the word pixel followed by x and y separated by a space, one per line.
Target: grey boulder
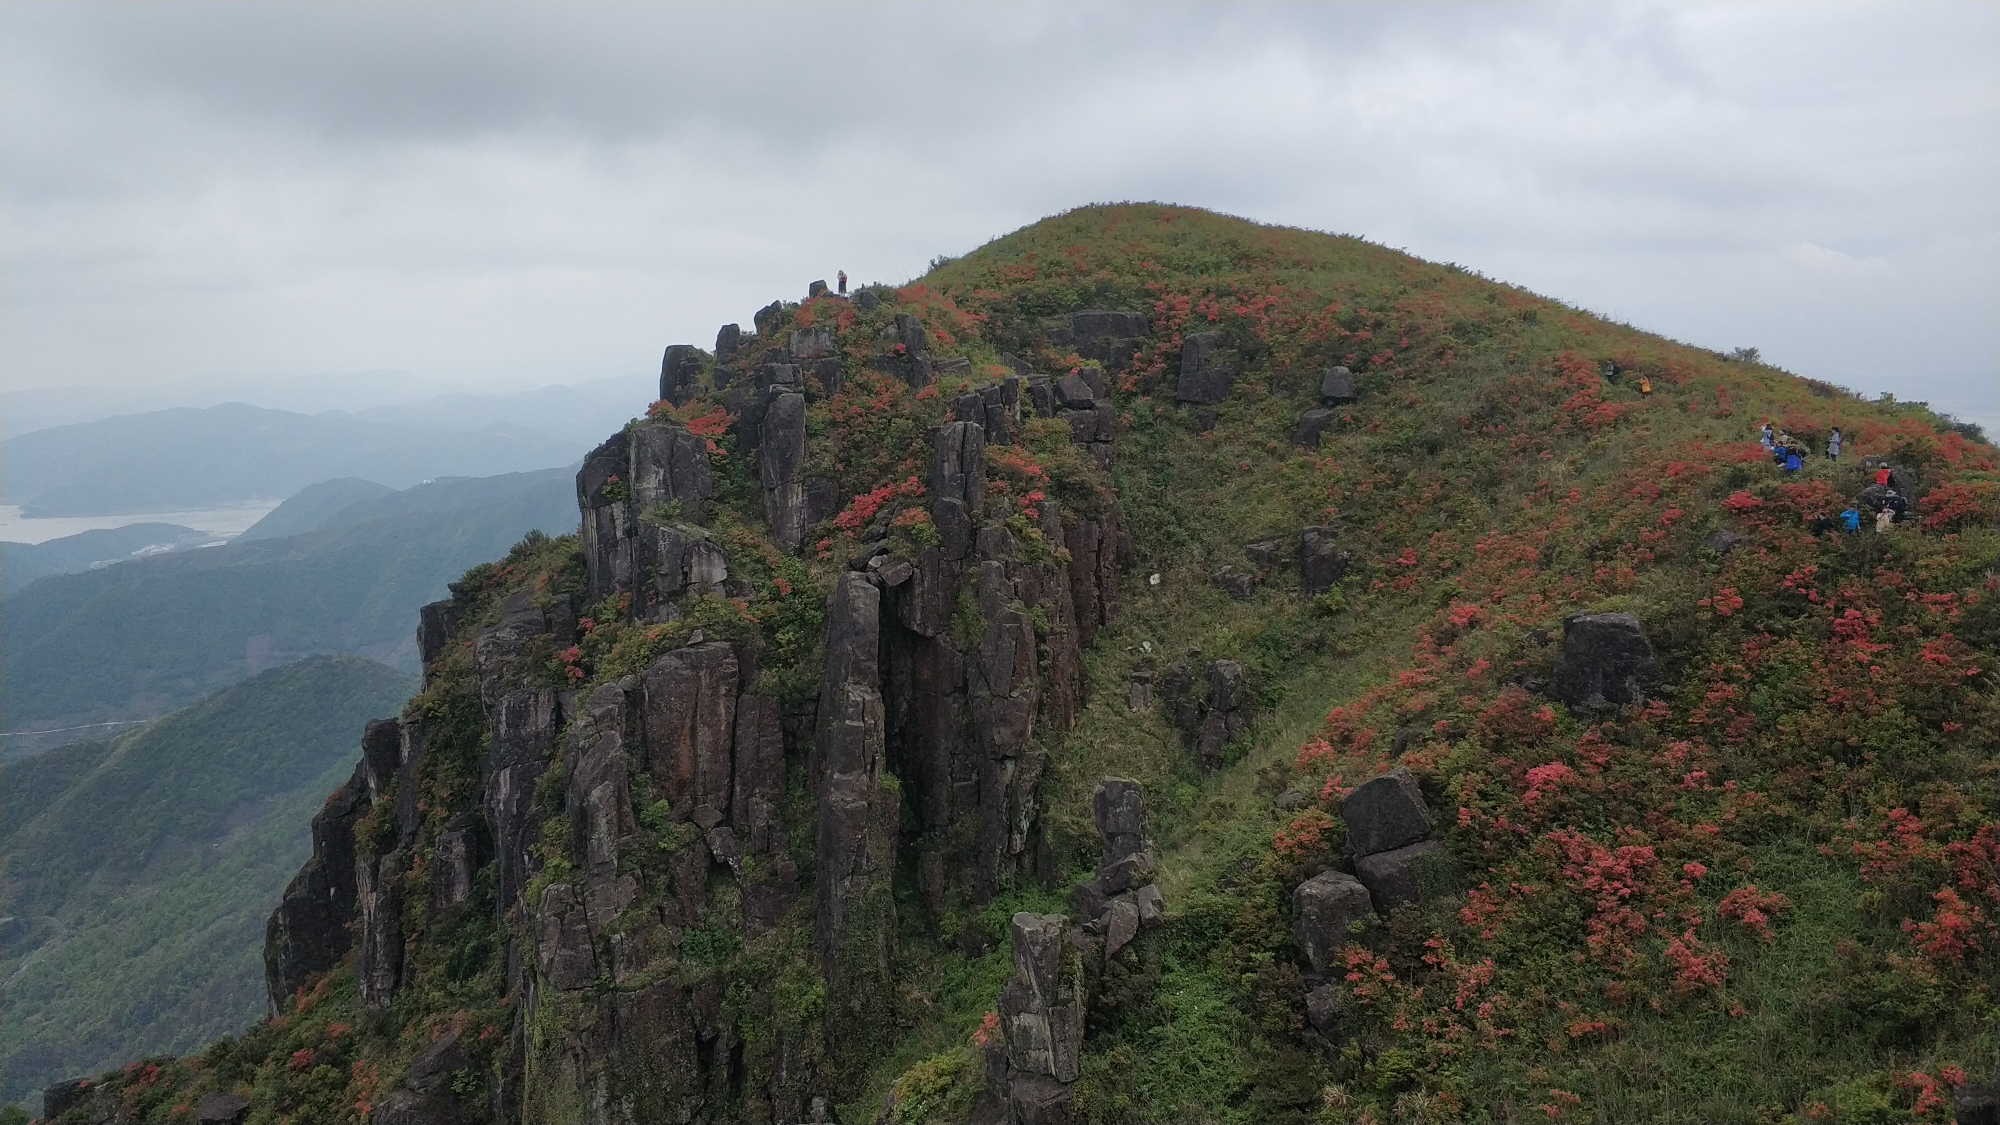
pixel 1606 658
pixel 1418 873
pixel 1385 813
pixel 1323 907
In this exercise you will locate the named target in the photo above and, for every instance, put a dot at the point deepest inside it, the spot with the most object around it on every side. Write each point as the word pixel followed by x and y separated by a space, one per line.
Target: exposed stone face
pixel 1321 564
pixel 1411 874
pixel 222 1109
pixel 811 343
pixel 1042 1007
pixel 524 727
pixel 768 318
pixel 1238 585
pixel 1385 813
pixel 378 956
pixel 1095 323
pixel 1724 541
pixel 1312 425
pixel 679 368
pixel 907 711
pixel 1336 387
pixel 1323 907
pixel 728 341
pixel 903 350
pixel 1210 706
pixel 598 795
pixel 456 857
pixel 607 517
pixel 857 811
pixel 308 933
pixel 1606 658
pixel 1208 370
pixel 689 707
pixel 675 559
pixel 958 468
pixel 1119 806
pixel 670 468
pixel 781 458
pixel 1075 394
pixel 434 625
pixel 1323 1010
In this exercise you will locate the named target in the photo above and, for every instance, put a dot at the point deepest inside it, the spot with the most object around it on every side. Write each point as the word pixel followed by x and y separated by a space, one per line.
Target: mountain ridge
pixel 1157 667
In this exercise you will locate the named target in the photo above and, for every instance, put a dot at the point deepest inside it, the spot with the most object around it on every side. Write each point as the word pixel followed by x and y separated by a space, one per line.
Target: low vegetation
pixel 1766 894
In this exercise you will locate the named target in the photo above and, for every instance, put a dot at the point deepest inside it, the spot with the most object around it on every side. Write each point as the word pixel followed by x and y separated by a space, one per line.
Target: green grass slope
pixel 1766 895
pixel 139 871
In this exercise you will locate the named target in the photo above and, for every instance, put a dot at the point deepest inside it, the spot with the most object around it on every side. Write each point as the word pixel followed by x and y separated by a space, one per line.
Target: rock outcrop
pixel 1321 564
pixel 629 834
pixel 679 369
pixel 1336 387
pixel 1324 908
pixel 1606 659
pixel 1208 369
pixel 1211 708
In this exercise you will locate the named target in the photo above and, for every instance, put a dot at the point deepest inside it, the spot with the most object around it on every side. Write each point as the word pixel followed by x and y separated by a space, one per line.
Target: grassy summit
pixel 1766 894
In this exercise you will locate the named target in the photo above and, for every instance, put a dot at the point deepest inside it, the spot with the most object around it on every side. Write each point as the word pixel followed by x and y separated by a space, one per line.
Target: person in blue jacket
pixel 1792 461
pixel 1850 520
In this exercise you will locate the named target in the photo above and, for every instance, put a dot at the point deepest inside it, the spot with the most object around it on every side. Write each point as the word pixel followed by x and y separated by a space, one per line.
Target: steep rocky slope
pixel 1158 667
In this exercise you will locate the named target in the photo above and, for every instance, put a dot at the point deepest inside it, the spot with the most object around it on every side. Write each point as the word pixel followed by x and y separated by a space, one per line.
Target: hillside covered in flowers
pixel 1253 518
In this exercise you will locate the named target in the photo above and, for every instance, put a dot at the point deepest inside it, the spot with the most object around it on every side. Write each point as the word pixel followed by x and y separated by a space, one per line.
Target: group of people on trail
pixel 1789 453
pixel 1612 371
pixel 1883 496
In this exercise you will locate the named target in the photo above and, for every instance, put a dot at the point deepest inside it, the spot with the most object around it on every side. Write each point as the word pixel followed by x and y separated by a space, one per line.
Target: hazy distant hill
pixel 187 458
pixel 138 871
pixel 137 639
pixel 22 563
pixel 313 507
pixel 382 396
pixel 38 408
pixel 319 507
pixel 583 411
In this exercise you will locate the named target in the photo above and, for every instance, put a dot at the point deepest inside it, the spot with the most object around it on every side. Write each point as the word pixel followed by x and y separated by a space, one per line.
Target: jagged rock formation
pixel 1211 711
pixel 632 828
pixel 703 818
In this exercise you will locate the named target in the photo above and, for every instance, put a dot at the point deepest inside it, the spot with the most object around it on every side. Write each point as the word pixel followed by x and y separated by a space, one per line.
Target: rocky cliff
pixel 1123 677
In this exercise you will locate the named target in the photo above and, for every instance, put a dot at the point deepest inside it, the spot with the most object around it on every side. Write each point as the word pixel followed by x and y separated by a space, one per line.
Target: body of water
pixel 219 522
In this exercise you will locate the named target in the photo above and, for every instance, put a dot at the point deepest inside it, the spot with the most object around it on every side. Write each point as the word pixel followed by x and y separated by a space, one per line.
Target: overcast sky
pixel 513 195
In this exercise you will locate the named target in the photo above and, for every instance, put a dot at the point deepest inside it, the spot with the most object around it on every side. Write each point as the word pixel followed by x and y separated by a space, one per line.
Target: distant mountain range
pixel 138 871
pixel 187 457
pixel 181 459
pixel 137 639
pixel 360 392
pixel 22 563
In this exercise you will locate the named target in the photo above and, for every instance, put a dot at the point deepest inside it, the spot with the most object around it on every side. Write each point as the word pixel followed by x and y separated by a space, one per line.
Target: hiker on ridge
pixel 1850 521
pixel 1764 438
pixel 1833 445
pixel 1793 463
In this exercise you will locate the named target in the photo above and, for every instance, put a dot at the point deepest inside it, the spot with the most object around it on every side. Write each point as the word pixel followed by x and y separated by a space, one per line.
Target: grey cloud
pixel 535 191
